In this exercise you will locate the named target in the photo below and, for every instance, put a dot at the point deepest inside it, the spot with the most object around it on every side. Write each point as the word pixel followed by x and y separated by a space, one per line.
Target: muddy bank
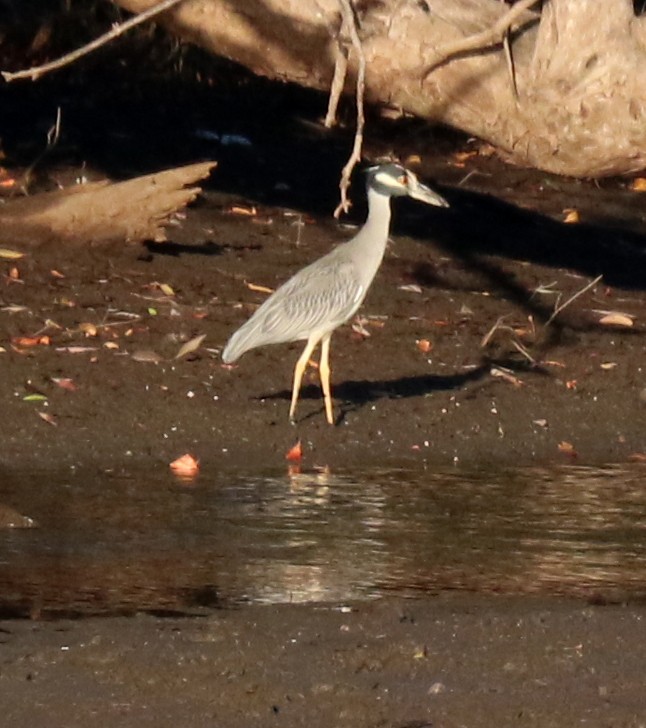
pixel 90 338
pixel 448 661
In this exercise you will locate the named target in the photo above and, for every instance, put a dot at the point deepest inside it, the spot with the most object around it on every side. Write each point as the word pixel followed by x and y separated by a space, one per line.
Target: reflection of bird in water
pixel 325 294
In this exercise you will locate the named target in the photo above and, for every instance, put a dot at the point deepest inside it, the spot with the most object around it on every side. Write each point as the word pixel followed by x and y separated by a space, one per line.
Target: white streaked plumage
pixel 326 293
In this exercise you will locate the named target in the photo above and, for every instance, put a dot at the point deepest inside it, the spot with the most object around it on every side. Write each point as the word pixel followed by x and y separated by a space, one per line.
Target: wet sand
pixel 443 662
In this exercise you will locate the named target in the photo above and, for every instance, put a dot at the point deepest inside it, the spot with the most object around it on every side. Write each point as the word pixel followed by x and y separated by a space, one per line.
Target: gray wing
pixel 318 298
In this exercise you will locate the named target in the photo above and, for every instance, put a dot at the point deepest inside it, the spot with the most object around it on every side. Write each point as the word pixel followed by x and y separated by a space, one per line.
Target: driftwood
pixel 101 212
pixel 569 95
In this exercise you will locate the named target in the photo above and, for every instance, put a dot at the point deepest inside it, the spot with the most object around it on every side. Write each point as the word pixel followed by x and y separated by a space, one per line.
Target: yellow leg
pixel 324 371
pixel 298 372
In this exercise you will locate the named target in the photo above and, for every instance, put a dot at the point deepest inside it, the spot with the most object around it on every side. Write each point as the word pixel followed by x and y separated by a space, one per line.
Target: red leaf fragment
pixel 65 383
pixel 295 453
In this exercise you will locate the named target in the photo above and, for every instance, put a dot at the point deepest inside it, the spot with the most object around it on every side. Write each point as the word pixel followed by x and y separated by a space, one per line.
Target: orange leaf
pixel 637 457
pixel 241 210
pixel 570 384
pixel 295 453
pixel 14 273
pixel 638 184
pixel 571 215
pixel 424 345
pixel 28 341
pixel 186 466
pixel 567 448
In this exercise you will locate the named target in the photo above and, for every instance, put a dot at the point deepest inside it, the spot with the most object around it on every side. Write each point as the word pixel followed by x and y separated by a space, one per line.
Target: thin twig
pixel 351 23
pixel 487 337
pixel 338 82
pixel 558 309
pixel 53 135
pixel 37 71
pixel 484 39
pixel 509 58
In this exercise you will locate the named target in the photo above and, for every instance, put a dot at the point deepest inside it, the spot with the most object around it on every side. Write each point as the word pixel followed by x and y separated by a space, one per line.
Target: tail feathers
pixel 241 341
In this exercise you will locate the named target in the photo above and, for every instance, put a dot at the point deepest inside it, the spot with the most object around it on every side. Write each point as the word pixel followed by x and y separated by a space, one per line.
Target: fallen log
pixel 133 211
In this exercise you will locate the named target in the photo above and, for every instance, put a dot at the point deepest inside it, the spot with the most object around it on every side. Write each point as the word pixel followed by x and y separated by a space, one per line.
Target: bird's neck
pixel 378 215
pixel 373 237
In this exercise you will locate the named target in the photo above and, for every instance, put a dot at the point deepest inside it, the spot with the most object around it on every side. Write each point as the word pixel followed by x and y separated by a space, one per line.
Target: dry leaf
pixel 49 419
pixel 571 384
pixel 14 274
pixel 259 289
pixel 506 376
pixel 240 210
pixel 607 365
pixel 75 349
pixel 146 355
pixel 486 150
pixel 111 345
pixel 166 289
pixel 56 273
pixel 412 159
pixel 64 383
pixel 615 318
pixel 190 346
pixel 410 287
pixel 27 341
pixel 424 345
pixel 186 466
pixel 637 457
pixel 638 184
pixel 295 453
pixel 459 158
pixel 360 329
pixel 10 254
pixel 88 329
pixel 567 448
pixel 571 215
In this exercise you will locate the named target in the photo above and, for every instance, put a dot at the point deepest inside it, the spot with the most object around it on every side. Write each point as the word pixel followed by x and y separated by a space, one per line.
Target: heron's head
pixel 393 180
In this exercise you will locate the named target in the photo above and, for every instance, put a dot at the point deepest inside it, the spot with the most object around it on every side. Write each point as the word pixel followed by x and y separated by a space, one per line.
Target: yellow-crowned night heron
pixel 326 293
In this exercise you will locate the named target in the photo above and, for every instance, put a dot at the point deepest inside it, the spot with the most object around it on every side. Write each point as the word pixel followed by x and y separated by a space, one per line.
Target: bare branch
pixel 484 39
pixel 37 71
pixel 350 21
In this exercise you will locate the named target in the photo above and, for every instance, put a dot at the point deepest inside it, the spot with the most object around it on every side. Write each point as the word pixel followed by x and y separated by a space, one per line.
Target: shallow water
pixel 121 542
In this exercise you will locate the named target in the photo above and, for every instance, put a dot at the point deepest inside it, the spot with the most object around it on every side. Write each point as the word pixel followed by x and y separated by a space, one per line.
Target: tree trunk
pixel 580 68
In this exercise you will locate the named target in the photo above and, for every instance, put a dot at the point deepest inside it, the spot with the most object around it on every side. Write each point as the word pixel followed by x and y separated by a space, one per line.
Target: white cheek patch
pixel 387 181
